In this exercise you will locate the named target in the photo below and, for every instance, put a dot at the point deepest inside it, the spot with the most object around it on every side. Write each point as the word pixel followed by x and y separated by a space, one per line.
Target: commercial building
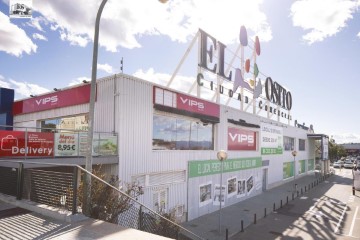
pixel 167 141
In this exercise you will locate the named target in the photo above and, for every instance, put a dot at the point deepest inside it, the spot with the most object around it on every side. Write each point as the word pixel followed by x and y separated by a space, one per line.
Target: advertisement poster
pixel 250 184
pixel 271 139
pixel 210 167
pixel 205 194
pixel 325 151
pixel 311 164
pixel 302 168
pixel 288 170
pixel 241 188
pixel 218 195
pixel 66 144
pixel 104 145
pixel 12 144
pixel 241 139
pixel 232 188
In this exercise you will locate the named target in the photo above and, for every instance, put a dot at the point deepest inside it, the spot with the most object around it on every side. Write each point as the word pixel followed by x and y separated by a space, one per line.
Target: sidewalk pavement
pixel 18 223
pixel 207 226
pixel 31 225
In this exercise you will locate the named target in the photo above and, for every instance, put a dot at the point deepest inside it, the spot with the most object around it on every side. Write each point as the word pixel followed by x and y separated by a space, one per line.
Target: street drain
pixel 245 210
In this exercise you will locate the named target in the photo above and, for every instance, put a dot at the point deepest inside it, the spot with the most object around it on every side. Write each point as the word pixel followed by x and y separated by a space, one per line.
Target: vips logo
pixel 241 139
pixel 193 103
pixel 44 101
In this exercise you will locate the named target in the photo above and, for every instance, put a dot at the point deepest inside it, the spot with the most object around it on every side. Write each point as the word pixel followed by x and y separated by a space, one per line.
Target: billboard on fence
pixel 66 144
pixel 36 144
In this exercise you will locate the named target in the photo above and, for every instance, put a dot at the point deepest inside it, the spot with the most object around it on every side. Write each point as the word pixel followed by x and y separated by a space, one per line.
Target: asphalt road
pixel 329 211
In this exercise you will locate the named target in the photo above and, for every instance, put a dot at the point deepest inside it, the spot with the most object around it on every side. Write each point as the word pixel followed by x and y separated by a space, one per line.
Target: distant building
pixel 351 148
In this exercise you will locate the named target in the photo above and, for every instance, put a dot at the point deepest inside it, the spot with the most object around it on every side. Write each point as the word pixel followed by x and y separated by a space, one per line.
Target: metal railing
pixel 60 186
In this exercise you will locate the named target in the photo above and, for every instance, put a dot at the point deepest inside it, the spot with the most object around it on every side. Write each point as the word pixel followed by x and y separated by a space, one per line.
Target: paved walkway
pixel 18 223
pixel 242 214
pixel 29 225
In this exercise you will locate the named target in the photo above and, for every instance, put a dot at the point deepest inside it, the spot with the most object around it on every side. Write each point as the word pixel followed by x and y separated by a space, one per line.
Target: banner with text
pixel 210 167
pixel 66 144
pixel 271 139
pixel 15 144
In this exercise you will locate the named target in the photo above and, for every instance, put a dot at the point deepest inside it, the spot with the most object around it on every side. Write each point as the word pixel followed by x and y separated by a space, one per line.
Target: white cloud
pixel 3 83
pixel 180 83
pixel 25 89
pixel 105 67
pixel 124 21
pixel 36 23
pixel 74 39
pixel 346 138
pixel 39 36
pixel 322 19
pixel 14 40
pixel 79 80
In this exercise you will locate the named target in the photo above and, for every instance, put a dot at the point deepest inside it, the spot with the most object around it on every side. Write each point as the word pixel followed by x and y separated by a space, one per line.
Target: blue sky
pixel 309 46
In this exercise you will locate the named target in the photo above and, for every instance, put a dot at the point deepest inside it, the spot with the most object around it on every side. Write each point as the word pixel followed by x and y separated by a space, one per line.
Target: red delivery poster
pixel 13 144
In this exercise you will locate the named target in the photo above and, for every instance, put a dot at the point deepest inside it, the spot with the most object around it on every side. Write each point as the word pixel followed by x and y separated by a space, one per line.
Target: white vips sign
pixel 271 139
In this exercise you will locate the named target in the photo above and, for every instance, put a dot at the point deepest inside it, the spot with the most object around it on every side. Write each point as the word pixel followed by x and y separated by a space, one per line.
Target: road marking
pixel 353 222
pixel 341 219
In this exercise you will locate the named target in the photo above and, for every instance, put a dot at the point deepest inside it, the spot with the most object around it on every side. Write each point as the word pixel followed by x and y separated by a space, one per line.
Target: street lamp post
pixel 222 156
pixel 90 136
pixel 294 153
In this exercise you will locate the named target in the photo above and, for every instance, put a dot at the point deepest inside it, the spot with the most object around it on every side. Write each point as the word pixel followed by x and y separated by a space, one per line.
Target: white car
pixel 338 164
pixel 348 164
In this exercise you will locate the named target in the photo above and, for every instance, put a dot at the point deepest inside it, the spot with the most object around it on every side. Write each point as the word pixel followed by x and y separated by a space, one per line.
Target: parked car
pixel 338 164
pixel 348 164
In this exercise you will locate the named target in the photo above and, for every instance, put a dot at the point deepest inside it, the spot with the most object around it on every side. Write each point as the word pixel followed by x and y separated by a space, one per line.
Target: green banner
pixel 268 151
pixel 210 167
pixel 302 164
pixel 288 170
pixel 311 164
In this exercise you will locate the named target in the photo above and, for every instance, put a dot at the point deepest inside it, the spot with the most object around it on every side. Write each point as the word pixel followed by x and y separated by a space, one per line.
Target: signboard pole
pixel 88 163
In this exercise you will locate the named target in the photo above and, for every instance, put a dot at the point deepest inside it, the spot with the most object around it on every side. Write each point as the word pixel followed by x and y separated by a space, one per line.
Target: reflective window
pixel 289 143
pixel 301 145
pixel 80 123
pixel 178 133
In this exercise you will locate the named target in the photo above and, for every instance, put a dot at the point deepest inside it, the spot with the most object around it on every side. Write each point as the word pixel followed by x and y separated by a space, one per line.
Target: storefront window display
pixel 78 123
pixel 179 133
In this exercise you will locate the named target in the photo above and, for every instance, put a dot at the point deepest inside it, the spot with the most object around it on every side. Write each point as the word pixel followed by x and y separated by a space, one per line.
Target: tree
pixel 106 202
pixel 336 151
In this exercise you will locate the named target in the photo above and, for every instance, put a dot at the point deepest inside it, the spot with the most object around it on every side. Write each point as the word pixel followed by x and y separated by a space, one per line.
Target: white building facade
pixel 168 143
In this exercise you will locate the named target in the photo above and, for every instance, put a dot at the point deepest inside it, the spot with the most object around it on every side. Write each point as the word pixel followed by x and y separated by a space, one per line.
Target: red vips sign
pixel 67 97
pixel 12 144
pixel 241 139
pixel 197 105
pixel 186 103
